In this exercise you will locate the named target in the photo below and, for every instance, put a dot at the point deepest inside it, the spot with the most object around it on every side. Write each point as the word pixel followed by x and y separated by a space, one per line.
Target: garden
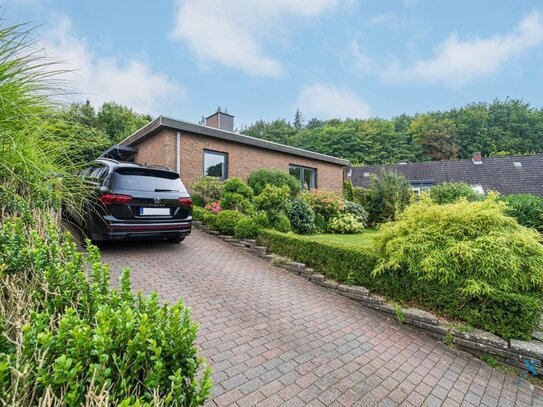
pixel 472 259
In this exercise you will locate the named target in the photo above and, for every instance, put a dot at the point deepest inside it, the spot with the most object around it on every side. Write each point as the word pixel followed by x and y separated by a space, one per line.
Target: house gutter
pixel 177 152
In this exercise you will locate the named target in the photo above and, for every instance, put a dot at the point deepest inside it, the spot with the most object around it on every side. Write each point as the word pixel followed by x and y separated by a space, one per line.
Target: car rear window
pixel 145 179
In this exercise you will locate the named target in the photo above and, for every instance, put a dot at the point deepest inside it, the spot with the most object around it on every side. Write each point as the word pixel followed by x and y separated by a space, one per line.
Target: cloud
pixel 389 20
pixel 329 102
pixel 234 33
pixel 131 81
pixel 457 62
pixel 356 59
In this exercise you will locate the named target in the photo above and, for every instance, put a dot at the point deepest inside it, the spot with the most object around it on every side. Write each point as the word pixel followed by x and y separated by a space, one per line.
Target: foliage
pixel 227 221
pixel 210 188
pixel 198 200
pixel 348 190
pixel 247 228
pixel 449 192
pixel 281 223
pixel 388 196
pixel 236 185
pixel 259 178
pixel 301 216
pixel 398 312
pixel 210 219
pixel 236 202
pixel 345 223
pixel 214 207
pixel 526 209
pixel 274 201
pixel 198 213
pixel 358 211
pixel 80 341
pixel 324 203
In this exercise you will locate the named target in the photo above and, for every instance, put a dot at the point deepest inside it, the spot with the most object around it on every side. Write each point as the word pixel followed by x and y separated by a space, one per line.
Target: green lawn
pixel 364 239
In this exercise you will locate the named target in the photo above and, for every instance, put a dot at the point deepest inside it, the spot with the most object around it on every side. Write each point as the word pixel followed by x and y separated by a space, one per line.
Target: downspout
pixel 178 152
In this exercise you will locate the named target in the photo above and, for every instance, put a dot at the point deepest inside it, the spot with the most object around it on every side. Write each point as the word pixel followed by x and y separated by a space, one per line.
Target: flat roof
pixel 163 122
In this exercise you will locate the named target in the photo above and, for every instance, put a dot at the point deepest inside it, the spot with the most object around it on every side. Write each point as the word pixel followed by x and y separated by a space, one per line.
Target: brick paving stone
pixel 275 339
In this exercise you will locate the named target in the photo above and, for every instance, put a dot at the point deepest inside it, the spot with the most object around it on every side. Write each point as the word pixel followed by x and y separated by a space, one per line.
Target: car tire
pixel 177 239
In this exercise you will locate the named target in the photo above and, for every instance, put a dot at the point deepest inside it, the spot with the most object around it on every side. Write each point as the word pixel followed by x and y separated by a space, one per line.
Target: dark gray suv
pixel 133 201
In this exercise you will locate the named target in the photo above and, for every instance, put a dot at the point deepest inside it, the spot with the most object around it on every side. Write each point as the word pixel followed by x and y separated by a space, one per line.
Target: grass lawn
pixel 360 239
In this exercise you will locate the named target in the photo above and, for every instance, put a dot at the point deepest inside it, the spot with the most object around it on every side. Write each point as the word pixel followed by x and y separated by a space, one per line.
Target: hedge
pixel 507 315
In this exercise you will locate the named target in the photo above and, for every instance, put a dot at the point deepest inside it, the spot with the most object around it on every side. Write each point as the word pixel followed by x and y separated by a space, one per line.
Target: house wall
pixel 242 158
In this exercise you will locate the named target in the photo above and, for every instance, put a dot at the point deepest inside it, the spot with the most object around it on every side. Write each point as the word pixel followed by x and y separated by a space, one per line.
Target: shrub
pixel 259 178
pixel 198 200
pixel 236 202
pixel 325 203
pixel 526 209
pixel 273 199
pixel 460 257
pixel 227 221
pixel 210 219
pixel 237 186
pixel 449 192
pixel 247 228
pixel 358 211
pixel 301 216
pixel 281 223
pixel 214 207
pixel 345 223
pixel 388 195
pixel 198 213
pixel 81 342
pixel 210 188
pixel 348 190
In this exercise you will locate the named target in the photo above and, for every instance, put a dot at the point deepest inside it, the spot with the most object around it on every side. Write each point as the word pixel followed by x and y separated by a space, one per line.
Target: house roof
pixel 506 175
pixel 162 122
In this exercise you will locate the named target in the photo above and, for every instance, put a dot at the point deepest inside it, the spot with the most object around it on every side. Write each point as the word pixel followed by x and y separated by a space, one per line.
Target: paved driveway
pixel 276 339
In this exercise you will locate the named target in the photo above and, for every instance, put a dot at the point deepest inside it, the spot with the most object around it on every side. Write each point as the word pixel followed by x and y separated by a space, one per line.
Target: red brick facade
pixel 242 159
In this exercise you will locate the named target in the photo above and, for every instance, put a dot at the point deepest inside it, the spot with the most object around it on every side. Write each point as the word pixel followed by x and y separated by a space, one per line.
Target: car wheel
pixel 178 239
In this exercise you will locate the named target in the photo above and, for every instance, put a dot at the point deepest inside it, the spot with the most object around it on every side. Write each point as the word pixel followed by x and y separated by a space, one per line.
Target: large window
pixel 306 175
pixel 215 164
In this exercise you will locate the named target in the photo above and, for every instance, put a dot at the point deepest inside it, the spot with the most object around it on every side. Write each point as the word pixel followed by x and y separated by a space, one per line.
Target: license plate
pixel 154 211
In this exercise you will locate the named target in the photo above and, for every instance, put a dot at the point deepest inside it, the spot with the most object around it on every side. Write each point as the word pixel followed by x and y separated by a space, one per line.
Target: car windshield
pixel 146 179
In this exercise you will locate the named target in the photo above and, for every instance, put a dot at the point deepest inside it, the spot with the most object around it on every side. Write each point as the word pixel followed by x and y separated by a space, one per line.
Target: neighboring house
pixel 214 149
pixel 506 175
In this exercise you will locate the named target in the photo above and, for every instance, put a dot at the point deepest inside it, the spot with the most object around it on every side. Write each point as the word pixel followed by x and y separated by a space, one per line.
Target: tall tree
pixel 298 120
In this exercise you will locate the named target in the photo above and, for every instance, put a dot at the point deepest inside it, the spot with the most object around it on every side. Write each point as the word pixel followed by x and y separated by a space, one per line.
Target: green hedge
pixel 507 315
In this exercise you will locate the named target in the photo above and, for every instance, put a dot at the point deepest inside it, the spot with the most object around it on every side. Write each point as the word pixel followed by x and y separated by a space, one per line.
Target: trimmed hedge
pixel 507 315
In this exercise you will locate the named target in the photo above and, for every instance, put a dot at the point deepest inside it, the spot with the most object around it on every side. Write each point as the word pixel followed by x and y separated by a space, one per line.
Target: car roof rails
pixel 107 159
pixel 157 166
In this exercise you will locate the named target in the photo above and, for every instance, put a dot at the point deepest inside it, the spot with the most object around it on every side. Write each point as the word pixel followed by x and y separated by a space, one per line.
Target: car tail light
pixel 110 199
pixel 185 202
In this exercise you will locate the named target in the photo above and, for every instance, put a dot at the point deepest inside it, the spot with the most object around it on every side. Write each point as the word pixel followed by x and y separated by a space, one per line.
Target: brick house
pixel 216 150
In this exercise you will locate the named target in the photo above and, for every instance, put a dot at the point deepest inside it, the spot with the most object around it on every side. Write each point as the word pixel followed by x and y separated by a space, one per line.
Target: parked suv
pixel 133 201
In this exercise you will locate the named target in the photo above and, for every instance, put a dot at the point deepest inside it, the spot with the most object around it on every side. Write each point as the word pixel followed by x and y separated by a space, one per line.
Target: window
pixel 306 175
pixel 215 164
pixel 146 179
pixel 421 186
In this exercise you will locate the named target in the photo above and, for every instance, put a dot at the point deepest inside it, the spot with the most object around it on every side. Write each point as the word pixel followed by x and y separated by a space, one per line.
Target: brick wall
pixel 242 158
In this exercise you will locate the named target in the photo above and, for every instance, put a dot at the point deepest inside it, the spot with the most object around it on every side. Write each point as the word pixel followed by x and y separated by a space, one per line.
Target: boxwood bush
pixel 301 216
pixel 227 221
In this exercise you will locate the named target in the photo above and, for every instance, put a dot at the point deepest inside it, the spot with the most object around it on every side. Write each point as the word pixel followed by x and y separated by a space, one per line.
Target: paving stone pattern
pixel 275 339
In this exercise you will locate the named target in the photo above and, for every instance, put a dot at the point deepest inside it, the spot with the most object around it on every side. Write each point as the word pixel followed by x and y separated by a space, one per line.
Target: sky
pixel 263 59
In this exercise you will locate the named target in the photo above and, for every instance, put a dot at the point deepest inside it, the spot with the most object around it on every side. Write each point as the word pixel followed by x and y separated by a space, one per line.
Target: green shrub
pixel 237 186
pixel 259 178
pixel 198 200
pixel 358 211
pixel 388 195
pixel 449 192
pixel 210 219
pixel 227 221
pixel 348 190
pixel 345 223
pixel 301 216
pixel 80 341
pixel 236 202
pixel 526 209
pixel 247 228
pixel 273 199
pixel 324 203
pixel 210 188
pixel 198 213
pixel 281 223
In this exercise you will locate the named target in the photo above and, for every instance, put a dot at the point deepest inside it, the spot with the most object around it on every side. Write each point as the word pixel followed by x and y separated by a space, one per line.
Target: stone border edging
pixel 477 342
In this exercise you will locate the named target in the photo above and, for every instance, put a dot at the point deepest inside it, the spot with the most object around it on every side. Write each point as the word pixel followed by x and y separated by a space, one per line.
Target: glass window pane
pixel 214 164
pixel 295 172
pixel 309 178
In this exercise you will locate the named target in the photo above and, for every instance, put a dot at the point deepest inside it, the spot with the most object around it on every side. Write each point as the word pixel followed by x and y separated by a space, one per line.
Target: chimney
pixel 477 158
pixel 221 121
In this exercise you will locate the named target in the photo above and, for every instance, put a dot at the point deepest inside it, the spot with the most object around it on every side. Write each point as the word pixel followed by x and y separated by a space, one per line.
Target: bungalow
pixel 216 150
pixel 506 175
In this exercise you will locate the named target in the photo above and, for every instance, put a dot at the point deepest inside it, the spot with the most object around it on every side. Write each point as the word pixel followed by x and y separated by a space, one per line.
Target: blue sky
pixel 265 58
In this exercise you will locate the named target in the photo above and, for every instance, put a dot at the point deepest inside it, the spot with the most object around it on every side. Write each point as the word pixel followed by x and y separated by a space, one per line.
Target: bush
pixel 259 178
pixel 210 188
pixel 210 219
pixel 236 185
pixel 449 192
pixel 388 195
pixel 81 342
pixel 348 190
pixel 325 203
pixel 457 257
pixel 281 223
pixel 198 213
pixel 198 200
pixel 227 221
pixel 345 223
pixel 214 207
pixel 358 211
pixel 247 228
pixel 526 209
pixel 301 216
pixel 273 199
pixel 236 202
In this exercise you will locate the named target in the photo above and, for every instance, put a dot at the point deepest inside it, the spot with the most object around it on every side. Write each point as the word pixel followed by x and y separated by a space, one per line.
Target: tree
pixel 436 137
pixel 298 120
pixel 119 121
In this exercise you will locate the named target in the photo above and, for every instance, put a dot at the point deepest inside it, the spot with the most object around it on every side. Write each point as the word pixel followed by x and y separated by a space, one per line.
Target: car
pixel 133 201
